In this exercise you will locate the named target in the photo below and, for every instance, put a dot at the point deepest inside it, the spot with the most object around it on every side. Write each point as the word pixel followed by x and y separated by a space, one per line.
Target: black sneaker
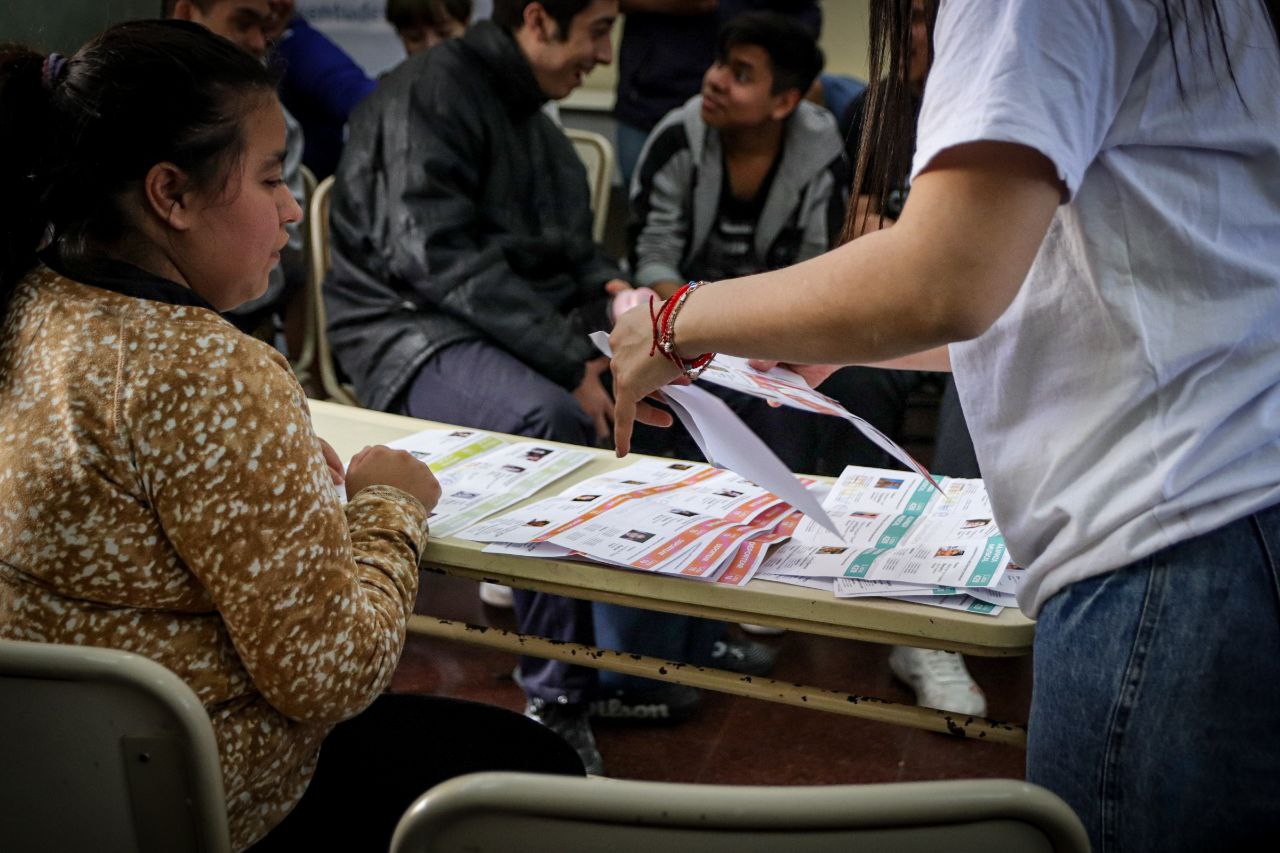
pixel 744 656
pixel 668 703
pixel 570 722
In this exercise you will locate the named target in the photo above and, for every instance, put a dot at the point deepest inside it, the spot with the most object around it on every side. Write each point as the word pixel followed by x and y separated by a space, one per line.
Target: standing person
pixel 465 278
pixel 321 85
pixel 1094 230
pixel 186 510
pixel 666 47
pixel 247 23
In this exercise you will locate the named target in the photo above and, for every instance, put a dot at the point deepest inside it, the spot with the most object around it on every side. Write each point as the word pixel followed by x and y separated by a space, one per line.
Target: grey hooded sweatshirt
pixel 676 191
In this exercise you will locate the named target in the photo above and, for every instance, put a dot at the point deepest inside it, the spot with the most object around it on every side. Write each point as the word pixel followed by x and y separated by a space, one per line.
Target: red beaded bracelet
pixel 664 324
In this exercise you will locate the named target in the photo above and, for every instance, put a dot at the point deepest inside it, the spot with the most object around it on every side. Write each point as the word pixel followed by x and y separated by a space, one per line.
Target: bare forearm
pixel 943 273
pixel 937 360
pixel 817 313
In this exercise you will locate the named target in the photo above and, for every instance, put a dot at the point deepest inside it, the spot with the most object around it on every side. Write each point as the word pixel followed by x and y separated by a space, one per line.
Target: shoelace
pixel 945 667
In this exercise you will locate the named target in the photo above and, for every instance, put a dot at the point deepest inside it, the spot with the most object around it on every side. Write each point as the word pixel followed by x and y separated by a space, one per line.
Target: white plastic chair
pixel 596 154
pixel 506 812
pixel 318 226
pixel 104 750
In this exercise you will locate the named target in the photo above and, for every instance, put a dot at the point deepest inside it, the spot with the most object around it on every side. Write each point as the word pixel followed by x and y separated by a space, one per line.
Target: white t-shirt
pixel 1129 398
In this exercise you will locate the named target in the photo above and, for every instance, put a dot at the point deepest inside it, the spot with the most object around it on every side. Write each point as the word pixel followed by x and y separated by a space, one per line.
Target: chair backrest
pixel 318 225
pixel 304 360
pixel 597 156
pixel 104 750
pixel 485 811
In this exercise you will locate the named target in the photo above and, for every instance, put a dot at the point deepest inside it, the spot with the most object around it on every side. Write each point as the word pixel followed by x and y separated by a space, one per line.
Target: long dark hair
pixel 75 134
pixel 887 133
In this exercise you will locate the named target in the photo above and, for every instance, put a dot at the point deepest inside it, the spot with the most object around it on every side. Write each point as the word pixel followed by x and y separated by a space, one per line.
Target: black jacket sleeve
pixel 441 250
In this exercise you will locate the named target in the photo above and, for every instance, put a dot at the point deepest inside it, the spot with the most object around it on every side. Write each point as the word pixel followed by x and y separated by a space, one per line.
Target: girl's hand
pixel 637 375
pixel 382 466
pixel 332 460
pixel 814 374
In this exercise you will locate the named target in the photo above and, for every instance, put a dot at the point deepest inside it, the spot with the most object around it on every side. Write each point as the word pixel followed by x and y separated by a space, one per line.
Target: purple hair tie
pixel 54 63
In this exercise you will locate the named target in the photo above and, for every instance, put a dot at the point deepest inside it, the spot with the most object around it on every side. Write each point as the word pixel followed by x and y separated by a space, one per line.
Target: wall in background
pixel 64 25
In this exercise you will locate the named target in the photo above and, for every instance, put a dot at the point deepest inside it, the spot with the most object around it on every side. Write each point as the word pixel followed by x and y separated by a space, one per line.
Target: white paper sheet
pixel 726 441
pixel 789 389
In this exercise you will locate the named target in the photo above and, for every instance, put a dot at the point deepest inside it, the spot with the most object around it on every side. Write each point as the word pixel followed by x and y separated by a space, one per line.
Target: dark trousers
pixel 373 766
pixel 880 397
pixel 477 384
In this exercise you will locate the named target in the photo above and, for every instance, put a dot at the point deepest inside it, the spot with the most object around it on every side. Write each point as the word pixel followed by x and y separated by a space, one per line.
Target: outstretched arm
pixel 950 266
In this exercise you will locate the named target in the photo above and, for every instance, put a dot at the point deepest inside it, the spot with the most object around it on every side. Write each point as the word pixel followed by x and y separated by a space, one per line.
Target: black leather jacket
pixel 461 211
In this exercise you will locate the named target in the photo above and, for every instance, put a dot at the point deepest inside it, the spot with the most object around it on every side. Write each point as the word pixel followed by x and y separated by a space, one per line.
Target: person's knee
pixel 558 417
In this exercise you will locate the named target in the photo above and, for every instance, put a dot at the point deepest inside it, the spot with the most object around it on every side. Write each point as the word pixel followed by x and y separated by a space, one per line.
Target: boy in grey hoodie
pixel 746 176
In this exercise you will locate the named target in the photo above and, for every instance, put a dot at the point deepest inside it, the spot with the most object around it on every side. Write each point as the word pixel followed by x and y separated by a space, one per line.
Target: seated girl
pixel 162 490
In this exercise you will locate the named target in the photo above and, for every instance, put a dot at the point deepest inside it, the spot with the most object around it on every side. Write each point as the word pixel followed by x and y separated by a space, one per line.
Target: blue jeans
pixel 1156 707
pixel 630 140
pixel 670 636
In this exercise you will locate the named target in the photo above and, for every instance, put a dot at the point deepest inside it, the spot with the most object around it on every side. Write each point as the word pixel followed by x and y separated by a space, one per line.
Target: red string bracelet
pixel 664 322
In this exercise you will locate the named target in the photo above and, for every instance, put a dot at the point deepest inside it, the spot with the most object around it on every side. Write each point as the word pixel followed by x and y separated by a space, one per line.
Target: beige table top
pixel 349 429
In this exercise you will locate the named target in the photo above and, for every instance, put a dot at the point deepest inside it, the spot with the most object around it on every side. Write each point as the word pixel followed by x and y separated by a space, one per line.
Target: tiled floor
pixel 735 740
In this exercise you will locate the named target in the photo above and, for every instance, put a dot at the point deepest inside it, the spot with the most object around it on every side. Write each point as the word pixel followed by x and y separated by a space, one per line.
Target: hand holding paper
pixel 726 441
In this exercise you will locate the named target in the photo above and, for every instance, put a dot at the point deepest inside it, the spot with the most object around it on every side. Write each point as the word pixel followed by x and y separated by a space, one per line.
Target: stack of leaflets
pixel 657 515
pixel 481 474
pixel 901 538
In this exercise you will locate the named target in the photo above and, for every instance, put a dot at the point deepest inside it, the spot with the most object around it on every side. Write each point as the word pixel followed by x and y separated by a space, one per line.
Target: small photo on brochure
pixel 637 536
pixel 586 498
pixel 832 549
pixel 972 523
pixel 888 483
pixel 537 454
pixel 949 551
pixel 686 513
pixel 513 469
pixel 460 433
pixel 538 522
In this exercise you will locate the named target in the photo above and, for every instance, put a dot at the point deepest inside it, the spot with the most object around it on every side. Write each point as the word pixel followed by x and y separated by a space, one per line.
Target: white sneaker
pixel 497 595
pixel 939 679
pixel 761 630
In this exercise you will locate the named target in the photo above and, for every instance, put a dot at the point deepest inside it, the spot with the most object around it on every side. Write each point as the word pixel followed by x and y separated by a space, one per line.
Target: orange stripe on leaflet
pixel 619 500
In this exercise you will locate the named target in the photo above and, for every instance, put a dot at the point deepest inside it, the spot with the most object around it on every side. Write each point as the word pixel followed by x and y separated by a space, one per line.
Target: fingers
pixel 334 461
pixel 653 416
pixel 616 286
pixel 763 365
pixel 624 413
